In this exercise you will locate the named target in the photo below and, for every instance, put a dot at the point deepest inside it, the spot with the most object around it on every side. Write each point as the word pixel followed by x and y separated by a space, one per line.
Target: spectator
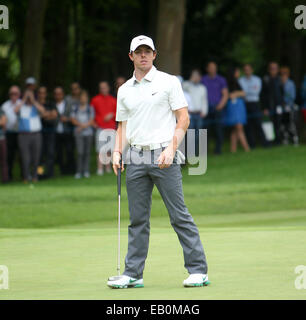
pixel 64 139
pixel 272 98
pixel 105 112
pixel 49 122
pixel 235 113
pixel 288 125
pixel 251 85
pixel 3 150
pixel 83 119
pixel 118 83
pixel 11 133
pixel 217 97
pixel 29 138
pixel 198 109
pixel 30 84
pixel 73 98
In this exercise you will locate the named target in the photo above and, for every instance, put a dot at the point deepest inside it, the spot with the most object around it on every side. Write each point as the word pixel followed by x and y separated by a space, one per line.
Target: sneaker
pixel 123 282
pixel 196 280
pixel 86 174
pixel 100 172
pixel 77 176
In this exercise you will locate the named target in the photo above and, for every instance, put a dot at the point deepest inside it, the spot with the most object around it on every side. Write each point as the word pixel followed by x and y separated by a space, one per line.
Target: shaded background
pixel 61 41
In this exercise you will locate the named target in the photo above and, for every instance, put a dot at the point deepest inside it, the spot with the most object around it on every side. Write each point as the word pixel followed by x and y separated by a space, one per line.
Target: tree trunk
pixel 33 39
pixel 171 18
pixel 56 68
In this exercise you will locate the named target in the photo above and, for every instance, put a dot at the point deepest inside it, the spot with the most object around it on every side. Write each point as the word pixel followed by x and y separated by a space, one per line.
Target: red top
pixel 104 105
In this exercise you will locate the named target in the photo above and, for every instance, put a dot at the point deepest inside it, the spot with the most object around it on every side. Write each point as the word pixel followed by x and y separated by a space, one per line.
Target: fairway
pixel 58 239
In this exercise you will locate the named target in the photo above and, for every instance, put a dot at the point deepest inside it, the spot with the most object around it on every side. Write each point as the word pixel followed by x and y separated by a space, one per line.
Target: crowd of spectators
pixel 40 128
pixel 42 131
pixel 256 110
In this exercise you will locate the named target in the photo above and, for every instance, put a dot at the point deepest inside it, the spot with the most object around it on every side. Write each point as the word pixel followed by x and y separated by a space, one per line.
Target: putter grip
pixel 119 179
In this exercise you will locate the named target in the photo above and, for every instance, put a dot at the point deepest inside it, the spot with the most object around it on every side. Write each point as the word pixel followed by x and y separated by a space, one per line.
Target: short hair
pixel 272 62
pixel 211 61
pixel 14 87
pixel 75 82
pixel 59 87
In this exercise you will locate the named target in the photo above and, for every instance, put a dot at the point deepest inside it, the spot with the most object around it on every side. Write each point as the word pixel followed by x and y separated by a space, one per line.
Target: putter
pixel 119 195
pixel 113 278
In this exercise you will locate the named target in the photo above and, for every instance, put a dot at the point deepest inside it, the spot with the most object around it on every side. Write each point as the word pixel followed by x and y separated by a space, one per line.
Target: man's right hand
pixel 116 162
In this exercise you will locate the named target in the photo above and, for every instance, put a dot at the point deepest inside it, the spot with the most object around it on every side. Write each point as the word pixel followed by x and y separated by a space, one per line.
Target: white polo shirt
pixel 148 107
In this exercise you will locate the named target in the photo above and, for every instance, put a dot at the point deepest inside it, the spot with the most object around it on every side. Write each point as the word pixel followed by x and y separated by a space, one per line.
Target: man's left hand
pixel 166 158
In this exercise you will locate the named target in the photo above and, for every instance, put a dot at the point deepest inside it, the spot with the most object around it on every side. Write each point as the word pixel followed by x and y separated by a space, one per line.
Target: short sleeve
pixel 223 83
pixel 177 98
pixel 121 110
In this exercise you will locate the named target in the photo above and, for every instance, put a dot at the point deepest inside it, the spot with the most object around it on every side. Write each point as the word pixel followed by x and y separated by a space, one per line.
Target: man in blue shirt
pixel 217 97
pixel 251 85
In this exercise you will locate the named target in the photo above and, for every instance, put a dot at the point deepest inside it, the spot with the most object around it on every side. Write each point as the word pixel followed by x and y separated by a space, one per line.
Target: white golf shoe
pixel 124 282
pixel 196 280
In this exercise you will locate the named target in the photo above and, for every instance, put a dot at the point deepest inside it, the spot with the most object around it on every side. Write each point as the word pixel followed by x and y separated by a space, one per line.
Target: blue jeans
pixel 213 122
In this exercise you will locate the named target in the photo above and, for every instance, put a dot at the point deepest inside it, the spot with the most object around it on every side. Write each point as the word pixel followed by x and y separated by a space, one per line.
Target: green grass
pixel 59 238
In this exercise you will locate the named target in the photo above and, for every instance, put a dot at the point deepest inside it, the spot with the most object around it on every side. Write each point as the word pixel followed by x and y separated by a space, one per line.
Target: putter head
pixel 114 278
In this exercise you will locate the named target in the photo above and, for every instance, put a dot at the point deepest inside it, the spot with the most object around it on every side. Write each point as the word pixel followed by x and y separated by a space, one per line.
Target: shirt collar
pixel 149 76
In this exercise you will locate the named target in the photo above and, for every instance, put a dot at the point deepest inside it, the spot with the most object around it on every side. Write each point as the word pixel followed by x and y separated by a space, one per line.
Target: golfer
pixel 152 120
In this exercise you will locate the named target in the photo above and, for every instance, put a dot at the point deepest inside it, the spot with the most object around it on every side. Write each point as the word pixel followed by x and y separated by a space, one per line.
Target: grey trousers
pixel 83 146
pixel 30 147
pixel 140 180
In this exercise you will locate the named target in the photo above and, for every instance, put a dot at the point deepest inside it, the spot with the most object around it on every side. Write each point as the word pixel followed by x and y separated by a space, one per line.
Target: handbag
pixel 268 129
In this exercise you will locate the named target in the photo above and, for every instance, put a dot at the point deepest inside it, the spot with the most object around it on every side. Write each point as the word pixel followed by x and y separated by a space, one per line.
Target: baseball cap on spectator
pixel 141 40
pixel 30 80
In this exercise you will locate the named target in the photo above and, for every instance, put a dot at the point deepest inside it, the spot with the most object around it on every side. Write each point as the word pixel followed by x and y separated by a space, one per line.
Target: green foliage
pixel 88 40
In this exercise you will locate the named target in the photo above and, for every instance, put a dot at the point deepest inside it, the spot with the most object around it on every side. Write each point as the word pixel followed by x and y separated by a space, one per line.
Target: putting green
pixel 59 238
pixel 247 260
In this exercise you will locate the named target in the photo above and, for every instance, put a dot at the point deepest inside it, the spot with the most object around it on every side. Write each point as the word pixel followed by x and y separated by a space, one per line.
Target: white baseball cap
pixel 30 80
pixel 141 40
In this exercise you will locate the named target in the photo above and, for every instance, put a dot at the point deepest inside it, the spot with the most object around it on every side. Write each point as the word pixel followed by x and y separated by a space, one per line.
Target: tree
pixel 171 19
pixel 33 39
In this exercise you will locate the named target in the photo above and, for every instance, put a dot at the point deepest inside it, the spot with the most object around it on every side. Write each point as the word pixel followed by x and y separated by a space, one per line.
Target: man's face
pixel 58 94
pixel 119 82
pixel 273 69
pixel 42 93
pixel 247 70
pixel 31 87
pixel 14 93
pixel 212 69
pixel 104 88
pixel 75 89
pixel 143 57
pixel 195 76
